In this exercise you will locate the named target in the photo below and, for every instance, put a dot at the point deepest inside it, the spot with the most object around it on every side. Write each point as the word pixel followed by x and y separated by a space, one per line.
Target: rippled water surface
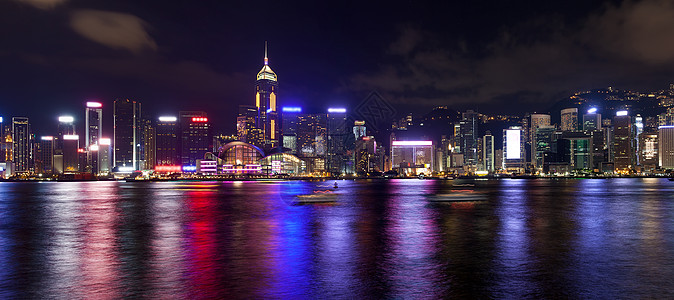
pixel 610 238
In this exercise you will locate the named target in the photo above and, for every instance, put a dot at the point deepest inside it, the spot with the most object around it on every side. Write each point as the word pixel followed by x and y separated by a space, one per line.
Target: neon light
pixel 93 148
pixel 513 144
pixel 621 113
pixel 337 110
pixel 189 168
pixel 104 141
pixel 66 119
pixel 47 138
pixel 167 169
pixel 167 119
pixel 94 104
pixel 665 126
pixel 592 110
pixel 0 119
pixel 291 109
pixel 71 137
pixel 412 143
pixel 81 150
pixel 199 119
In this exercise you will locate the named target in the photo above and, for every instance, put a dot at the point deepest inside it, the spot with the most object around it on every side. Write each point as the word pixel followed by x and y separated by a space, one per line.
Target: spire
pixel 266 60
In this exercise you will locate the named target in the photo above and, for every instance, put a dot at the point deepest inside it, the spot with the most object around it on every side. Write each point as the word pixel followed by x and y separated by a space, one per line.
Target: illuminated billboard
pixel 291 109
pixel 513 144
pixel 337 110
pixel 621 113
pixel 66 119
pixel 167 119
pixel 94 104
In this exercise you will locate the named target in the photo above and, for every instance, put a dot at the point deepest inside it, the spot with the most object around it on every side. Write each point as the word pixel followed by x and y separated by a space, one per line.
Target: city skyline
pixel 532 55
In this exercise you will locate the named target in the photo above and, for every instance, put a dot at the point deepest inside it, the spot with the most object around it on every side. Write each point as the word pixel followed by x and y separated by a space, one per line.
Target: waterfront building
pixel 246 125
pixel 71 153
pixel 195 136
pixel 543 143
pixel 167 141
pixel 44 157
pixel 666 146
pixel 412 158
pixel 488 155
pixel 469 138
pixel 290 122
pixel 240 157
pixel 266 91
pixel 513 149
pixel 104 155
pixel 339 136
pixel 66 126
pixel 569 119
pixel 622 142
pixel 149 149
pixel 93 117
pixel 536 121
pixel 648 151
pixel 127 134
pixel 22 144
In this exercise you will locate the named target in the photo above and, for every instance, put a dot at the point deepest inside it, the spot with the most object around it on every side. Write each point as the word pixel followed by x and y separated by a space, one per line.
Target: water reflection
pixel 382 239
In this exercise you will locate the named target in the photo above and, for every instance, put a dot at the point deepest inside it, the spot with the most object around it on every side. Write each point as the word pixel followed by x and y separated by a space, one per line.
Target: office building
pixel 666 146
pixel 591 120
pixel 127 134
pixel 359 129
pixel 195 137
pixel 488 158
pixel 149 149
pixel 513 149
pixel 412 158
pixel 569 119
pixel 468 137
pixel 266 91
pixel 338 132
pixel 535 121
pixel 44 157
pixel 623 142
pixel 71 153
pixel 648 151
pixel 246 126
pixel 104 155
pixel 22 144
pixel 167 143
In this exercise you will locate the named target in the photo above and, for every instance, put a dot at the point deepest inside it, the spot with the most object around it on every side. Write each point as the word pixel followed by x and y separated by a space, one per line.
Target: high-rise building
pixel 127 133
pixel 337 144
pixel 359 129
pixel 648 151
pixel 666 146
pixel 266 90
pixel 569 119
pixel 94 123
pixel 622 142
pixel 543 143
pixel 104 157
pixel 513 149
pixel 469 138
pixel 44 158
pixel 536 121
pixel 66 126
pixel 6 143
pixel 488 152
pixel 149 155
pixel 591 120
pixel 246 126
pixel 22 146
pixel 195 136
pixel 167 141
pixel 290 120
pixel 71 153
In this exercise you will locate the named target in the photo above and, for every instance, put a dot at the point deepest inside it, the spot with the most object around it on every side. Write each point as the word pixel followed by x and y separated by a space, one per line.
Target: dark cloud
pixel 532 63
pixel 113 29
pixel 43 4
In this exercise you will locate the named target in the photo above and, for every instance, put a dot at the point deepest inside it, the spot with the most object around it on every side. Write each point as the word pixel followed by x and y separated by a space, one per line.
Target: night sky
pixel 494 56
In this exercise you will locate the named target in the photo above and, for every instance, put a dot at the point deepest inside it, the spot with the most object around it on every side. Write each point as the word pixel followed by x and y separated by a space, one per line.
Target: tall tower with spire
pixel 266 89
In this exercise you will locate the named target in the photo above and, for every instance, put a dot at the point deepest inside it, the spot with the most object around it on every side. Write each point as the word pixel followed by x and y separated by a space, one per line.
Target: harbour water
pixel 544 238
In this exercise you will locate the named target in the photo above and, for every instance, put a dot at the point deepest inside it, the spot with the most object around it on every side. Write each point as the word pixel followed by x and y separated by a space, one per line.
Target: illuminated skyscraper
pixel 266 90
pixel 536 121
pixel 167 141
pixel 44 157
pixel 359 129
pixel 104 151
pixel 94 123
pixel 149 149
pixel 622 142
pixel 666 146
pixel 488 152
pixel 195 136
pixel 71 161
pixel 648 150
pixel 469 137
pixel 569 119
pixel 22 146
pixel 127 133
pixel 337 144
pixel 591 120
pixel 513 149
pixel 246 126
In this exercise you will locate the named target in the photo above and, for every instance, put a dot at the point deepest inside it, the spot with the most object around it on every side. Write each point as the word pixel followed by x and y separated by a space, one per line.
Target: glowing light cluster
pixel 71 137
pixel 66 119
pixel 412 143
pixel 621 113
pixel 592 110
pixel 199 119
pixel 337 110
pixel 47 138
pixel 168 169
pixel 94 104
pixel 168 119
pixel 93 148
pixel 291 109
pixel 189 168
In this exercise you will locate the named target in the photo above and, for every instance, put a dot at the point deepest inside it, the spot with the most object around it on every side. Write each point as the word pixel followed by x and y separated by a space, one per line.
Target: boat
pixel 457 197
pixel 317 198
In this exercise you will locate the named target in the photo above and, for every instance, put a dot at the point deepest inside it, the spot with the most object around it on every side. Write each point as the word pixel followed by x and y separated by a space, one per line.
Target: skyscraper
pixel 513 149
pixel 569 119
pixel 94 123
pixel 536 121
pixel 266 89
pixel 195 136
pixel 488 152
pixel 246 125
pixel 591 120
pixel 622 142
pixel 149 149
pixel 337 134
pixel 167 141
pixel 44 158
pixel 22 146
pixel 469 139
pixel 666 146
pixel 104 151
pixel 127 133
